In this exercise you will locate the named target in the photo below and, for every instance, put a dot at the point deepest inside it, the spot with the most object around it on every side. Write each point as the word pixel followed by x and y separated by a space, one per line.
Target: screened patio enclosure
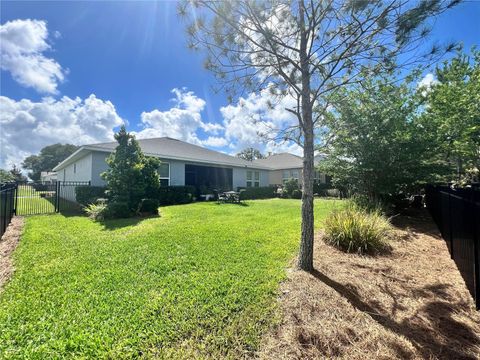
pixel 209 177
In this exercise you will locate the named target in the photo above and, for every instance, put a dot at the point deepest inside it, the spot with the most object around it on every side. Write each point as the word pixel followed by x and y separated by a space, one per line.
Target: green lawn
pixel 29 201
pixel 198 282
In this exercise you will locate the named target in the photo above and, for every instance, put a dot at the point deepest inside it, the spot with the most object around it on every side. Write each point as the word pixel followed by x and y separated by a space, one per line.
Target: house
pixel 186 164
pixel 48 176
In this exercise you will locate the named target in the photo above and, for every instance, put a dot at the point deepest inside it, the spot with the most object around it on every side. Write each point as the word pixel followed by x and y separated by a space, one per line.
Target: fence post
pixel 4 204
pixel 450 233
pixel 16 198
pixel 475 212
pixel 57 196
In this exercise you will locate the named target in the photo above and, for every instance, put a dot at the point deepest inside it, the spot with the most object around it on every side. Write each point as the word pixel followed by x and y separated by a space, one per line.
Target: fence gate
pixel 36 198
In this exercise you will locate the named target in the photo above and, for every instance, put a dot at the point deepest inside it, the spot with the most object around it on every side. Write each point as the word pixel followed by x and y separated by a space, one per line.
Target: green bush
pixel 324 189
pixel 118 209
pixel 149 206
pixel 252 193
pixel 96 211
pixel 172 195
pixel 86 195
pixel 41 187
pixel 296 194
pixel 357 230
pixel 289 187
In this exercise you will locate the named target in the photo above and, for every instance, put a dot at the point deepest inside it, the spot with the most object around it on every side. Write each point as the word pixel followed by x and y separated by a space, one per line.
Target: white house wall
pixel 99 165
pixel 81 170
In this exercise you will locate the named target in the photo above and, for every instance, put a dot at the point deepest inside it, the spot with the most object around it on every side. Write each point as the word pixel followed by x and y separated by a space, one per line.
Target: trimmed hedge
pixel 89 194
pixel 149 206
pixel 172 195
pixel 253 193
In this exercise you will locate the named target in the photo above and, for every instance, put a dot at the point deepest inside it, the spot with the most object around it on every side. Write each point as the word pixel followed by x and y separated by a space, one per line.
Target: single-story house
pixel 48 176
pixel 186 164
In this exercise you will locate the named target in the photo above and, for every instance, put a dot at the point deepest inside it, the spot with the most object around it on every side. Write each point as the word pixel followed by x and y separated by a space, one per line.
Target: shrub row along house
pixel 187 164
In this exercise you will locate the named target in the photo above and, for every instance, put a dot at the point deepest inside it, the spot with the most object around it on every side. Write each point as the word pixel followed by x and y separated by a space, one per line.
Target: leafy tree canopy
pixel 48 158
pixel 250 154
pixel 453 112
pixel 379 145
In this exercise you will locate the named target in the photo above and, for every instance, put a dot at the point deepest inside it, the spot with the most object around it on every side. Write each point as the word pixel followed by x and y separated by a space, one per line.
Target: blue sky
pixel 130 56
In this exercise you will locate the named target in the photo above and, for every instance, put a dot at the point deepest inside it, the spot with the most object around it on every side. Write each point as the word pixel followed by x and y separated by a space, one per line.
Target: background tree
pixel 6 176
pixel 48 158
pixel 453 111
pixel 379 146
pixel 17 173
pixel 305 51
pixel 250 154
pixel 129 175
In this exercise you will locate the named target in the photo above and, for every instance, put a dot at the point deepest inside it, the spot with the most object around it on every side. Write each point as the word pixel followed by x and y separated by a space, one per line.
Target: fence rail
pixel 32 198
pixel 457 215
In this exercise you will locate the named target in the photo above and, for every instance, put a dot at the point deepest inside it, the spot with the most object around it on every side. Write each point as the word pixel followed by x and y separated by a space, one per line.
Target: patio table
pixel 231 196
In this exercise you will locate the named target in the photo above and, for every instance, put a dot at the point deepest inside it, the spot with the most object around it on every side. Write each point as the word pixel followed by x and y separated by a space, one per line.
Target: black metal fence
pixel 7 205
pixel 32 198
pixel 457 215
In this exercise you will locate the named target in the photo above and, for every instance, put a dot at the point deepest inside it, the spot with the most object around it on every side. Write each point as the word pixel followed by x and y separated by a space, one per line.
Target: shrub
pixel 96 211
pixel 89 194
pixel 40 187
pixel 356 230
pixel 289 187
pixel 171 195
pixel 251 193
pixel 118 209
pixel 149 206
pixel 296 194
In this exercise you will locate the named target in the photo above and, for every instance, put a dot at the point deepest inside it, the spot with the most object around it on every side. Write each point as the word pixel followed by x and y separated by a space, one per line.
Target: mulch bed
pixel 8 243
pixel 410 304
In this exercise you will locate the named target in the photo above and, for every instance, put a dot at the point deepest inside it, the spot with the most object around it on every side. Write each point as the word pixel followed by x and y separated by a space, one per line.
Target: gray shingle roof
pixel 169 148
pixel 285 161
pixel 281 161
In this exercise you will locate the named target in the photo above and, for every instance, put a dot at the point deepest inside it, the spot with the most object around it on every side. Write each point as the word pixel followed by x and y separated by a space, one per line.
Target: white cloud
pixel 215 141
pixel 28 126
pixel 254 120
pixel 427 82
pixel 182 121
pixel 22 43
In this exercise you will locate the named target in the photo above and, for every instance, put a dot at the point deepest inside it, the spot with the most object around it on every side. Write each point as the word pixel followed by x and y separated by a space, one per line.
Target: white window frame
pixel 290 175
pixel 253 182
pixel 164 177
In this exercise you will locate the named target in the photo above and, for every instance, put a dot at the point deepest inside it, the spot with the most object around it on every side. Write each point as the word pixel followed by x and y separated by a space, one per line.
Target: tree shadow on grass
pixel 433 330
pixel 242 203
pixel 115 224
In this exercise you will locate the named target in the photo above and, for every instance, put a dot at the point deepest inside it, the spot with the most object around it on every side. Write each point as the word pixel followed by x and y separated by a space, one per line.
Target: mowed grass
pixel 29 201
pixel 198 282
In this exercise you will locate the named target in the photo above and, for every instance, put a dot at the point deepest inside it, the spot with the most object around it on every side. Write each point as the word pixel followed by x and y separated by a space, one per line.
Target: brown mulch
pixel 410 304
pixel 8 243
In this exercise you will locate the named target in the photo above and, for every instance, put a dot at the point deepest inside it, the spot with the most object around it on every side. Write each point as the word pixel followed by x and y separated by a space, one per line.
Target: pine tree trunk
pixel 305 257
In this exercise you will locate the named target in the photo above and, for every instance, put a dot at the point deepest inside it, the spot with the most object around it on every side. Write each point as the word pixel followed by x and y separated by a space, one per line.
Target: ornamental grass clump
pixel 356 230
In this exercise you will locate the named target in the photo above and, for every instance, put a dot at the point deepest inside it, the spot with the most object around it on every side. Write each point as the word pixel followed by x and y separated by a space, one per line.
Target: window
pixel 290 174
pixel 319 177
pixel 75 168
pixel 164 173
pixel 253 178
